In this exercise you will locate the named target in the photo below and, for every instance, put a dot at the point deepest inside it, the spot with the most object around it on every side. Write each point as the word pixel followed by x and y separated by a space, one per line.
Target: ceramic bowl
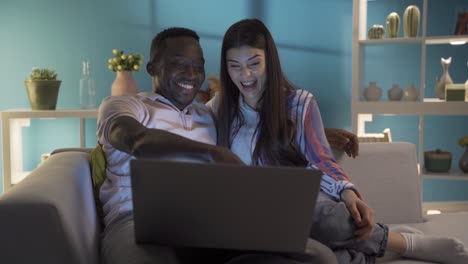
pixel 437 161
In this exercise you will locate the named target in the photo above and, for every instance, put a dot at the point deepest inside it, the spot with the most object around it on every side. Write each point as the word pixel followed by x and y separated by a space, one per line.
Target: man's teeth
pixel 185 85
pixel 247 83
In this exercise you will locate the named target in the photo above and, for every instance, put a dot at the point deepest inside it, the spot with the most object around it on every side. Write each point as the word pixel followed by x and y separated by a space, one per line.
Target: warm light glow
pixel 457 42
pixel 433 212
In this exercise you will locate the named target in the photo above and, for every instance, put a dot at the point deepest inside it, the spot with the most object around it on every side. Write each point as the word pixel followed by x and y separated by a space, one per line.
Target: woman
pixel 265 120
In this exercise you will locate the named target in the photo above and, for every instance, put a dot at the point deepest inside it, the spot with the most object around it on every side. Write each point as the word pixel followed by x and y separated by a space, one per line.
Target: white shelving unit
pixel 13 120
pixel 363 110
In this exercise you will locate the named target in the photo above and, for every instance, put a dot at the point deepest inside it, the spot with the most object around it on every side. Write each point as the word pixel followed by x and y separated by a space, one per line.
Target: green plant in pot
pixel 42 87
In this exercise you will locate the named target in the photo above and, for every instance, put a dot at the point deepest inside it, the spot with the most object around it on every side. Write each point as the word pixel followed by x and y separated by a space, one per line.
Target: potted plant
pixel 42 87
pixel 123 64
pixel 463 162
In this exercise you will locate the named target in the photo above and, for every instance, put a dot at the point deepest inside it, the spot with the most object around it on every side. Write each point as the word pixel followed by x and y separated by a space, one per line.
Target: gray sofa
pixel 50 217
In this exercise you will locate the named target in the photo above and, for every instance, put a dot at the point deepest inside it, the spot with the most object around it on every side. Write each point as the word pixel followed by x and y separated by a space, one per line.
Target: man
pixel 165 124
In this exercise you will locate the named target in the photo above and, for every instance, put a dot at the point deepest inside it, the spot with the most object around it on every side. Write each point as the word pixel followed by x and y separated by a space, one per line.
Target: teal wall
pixel 313 36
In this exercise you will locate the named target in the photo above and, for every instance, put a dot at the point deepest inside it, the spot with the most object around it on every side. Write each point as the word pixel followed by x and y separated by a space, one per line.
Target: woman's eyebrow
pixel 254 56
pixel 249 59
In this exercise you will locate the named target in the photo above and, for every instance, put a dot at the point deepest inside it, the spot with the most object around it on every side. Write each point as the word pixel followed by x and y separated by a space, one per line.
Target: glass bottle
pixel 87 89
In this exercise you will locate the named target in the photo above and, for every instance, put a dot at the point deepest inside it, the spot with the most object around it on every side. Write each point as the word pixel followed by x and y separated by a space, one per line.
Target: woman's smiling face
pixel 247 69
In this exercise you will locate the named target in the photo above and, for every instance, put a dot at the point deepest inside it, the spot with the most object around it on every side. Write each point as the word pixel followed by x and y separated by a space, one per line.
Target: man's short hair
pixel 157 45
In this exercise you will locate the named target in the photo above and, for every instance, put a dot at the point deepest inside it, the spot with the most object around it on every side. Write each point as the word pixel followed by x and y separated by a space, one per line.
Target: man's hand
pixel 361 213
pixel 224 155
pixel 341 139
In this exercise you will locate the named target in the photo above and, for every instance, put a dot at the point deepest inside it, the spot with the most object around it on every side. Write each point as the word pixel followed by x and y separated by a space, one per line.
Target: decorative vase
pixel 395 93
pixel 411 93
pixel 372 92
pixel 466 90
pixel 444 79
pixel 42 94
pixel 393 25
pixel 376 32
pixel 461 27
pixel 124 83
pixel 438 160
pixel 411 19
pixel 463 162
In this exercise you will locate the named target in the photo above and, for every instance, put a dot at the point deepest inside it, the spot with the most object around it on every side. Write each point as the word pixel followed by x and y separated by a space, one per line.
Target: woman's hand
pixel 361 213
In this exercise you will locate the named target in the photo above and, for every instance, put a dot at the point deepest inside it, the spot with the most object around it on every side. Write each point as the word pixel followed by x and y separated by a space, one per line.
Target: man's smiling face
pixel 181 70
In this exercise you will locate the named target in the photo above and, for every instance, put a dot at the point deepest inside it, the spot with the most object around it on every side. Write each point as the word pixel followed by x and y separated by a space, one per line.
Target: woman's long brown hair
pixel 276 139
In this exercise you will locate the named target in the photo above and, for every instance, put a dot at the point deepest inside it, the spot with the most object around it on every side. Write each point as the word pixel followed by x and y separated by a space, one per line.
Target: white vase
pixel 372 92
pixel 444 79
pixel 395 93
pixel 124 83
pixel 411 93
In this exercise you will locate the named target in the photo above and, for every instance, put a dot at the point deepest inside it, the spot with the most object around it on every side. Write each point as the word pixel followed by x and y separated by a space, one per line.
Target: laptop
pixel 183 204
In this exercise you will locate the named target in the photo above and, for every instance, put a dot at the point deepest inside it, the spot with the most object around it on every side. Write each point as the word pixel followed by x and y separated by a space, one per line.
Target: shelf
pixel 435 40
pixel 451 175
pixel 389 41
pixel 365 53
pixel 445 39
pixel 59 113
pixel 430 106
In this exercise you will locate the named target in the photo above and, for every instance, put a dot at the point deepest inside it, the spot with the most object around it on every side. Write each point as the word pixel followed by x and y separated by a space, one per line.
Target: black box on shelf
pixel 455 92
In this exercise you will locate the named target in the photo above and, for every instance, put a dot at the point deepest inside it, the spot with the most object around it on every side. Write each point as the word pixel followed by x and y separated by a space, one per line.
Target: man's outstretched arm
pixel 128 135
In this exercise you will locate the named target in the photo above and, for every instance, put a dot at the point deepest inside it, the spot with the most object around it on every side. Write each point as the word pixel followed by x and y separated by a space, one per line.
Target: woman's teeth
pixel 249 85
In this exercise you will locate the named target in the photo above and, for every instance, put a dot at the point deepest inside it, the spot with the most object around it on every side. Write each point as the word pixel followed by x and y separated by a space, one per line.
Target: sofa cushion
pixel 384 170
pixel 446 225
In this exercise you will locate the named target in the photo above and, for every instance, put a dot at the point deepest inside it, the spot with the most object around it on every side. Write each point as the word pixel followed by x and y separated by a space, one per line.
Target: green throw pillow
pixel 98 163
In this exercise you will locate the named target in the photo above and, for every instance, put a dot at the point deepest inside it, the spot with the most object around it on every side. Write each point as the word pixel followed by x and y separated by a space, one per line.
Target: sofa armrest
pixel 50 216
pixel 386 175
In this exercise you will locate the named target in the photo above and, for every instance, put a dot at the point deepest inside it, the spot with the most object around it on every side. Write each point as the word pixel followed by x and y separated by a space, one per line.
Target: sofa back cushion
pixel 387 176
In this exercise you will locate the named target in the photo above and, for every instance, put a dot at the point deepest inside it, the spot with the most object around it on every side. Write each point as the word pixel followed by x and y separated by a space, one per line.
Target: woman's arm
pixel 334 181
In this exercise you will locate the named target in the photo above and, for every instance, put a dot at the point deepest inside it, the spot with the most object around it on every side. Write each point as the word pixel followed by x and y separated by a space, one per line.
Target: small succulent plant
pixel 122 62
pixel 42 74
pixel 463 141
